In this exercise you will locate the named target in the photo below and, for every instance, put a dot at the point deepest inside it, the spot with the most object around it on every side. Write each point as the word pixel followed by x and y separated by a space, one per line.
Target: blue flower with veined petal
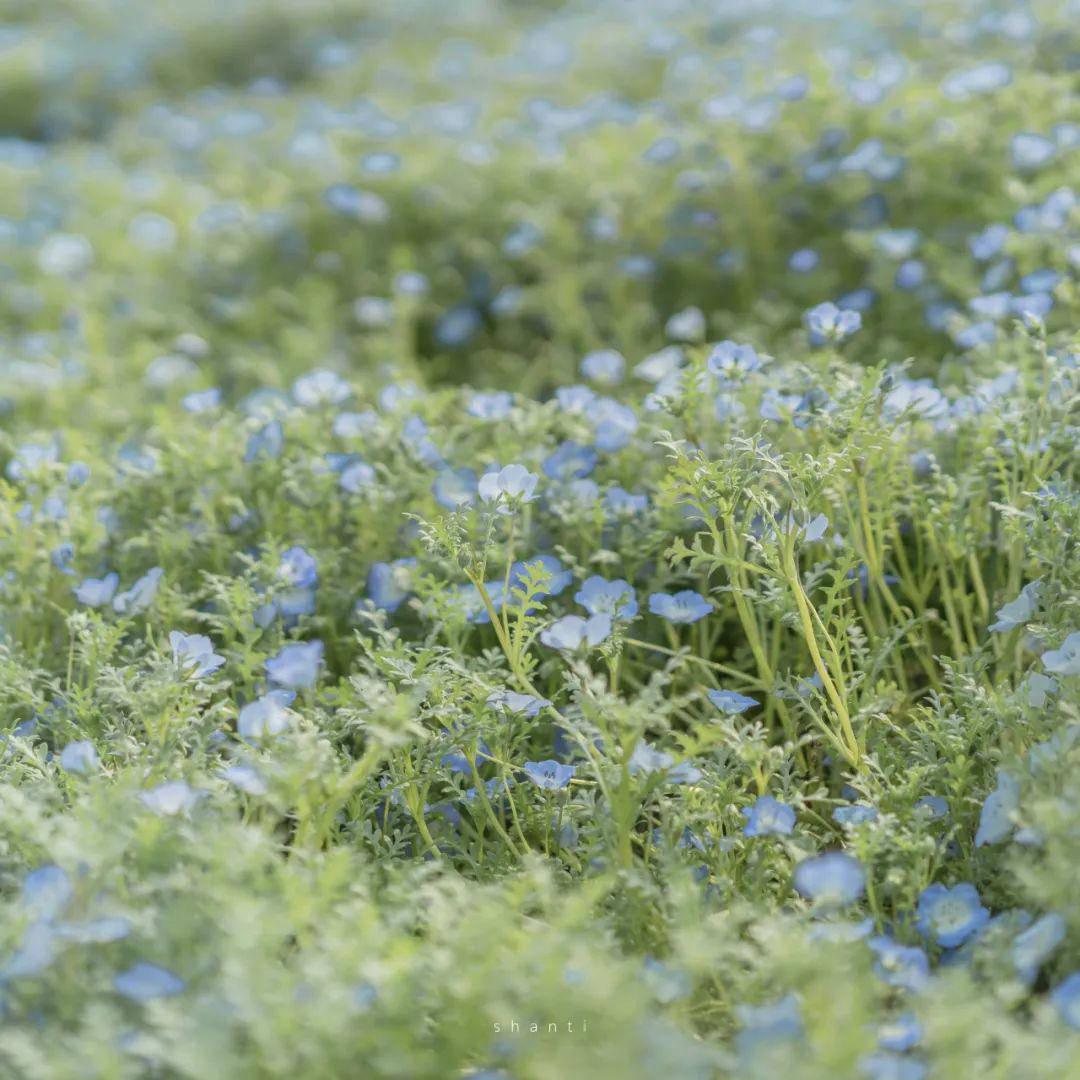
pixel 572 631
pixel 685 606
pixel 549 775
pixel 598 596
pixel 508 486
pixel 950 916
pixel 827 322
pixel 730 701
pixel 194 654
pixel 768 817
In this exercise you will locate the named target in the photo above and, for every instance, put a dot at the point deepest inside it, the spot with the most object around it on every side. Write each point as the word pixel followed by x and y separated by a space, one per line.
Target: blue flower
pixel 1066 999
pixel 901 1034
pixel 96 592
pixel 685 606
pixel 997 819
pixel 46 892
pixel 572 631
pixel 803 261
pixel 833 879
pixel 827 322
pixel 933 806
pixel 266 443
pixel 508 701
pixel 171 798
pixel 1064 660
pixel 549 775
pixel 768 1024
pixel 492 406
pixel 852 816
pixel 598 596
pixel 768 817
pixel 145 982
pixel 141 595
pixel 267 715
pixel 201 401
pixel 320 388
pixel 613 424
pixel 558 577
pixel 510 485
pixel 455 488
pixel 903 966
pixel 194 654
pixel 729 360
pixel 888 1066
pixel 575 400
pixel 297 665
pixel 298 568
pixel 246 778
pixel 357 477
pixel 1030 152
pixel 1038 688
pixel 569 461
pixel 1019 611
pixel 731 702
pixel 389 584
pixel 815 529
pixel 1035 945
pixel 647 760
pixel 79 757
pixel 950 916
pixel 604 366
pixel 623 503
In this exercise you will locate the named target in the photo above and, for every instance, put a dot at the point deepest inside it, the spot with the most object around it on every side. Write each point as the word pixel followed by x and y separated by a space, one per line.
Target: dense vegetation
pixel 538 540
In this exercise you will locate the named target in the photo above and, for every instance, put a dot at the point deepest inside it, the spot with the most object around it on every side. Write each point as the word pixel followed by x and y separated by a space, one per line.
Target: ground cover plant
pixel 537 540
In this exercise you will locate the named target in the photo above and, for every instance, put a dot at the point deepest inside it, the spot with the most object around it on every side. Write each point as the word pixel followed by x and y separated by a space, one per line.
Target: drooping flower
pixel 950 916
pixel 997 819
pixel 1064 660
pixel 768 817
pixel 1018 612
pixel 508 701
pixel 730 701
pixel 141 595
pixel 97 592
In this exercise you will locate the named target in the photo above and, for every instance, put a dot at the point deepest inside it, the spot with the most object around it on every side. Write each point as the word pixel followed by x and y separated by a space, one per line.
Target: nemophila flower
pixel 321 387
pixel 549 775
pixel 602 597
pixel 34 955
pixel 686 325
pixel 357 477
pixel 296 666
pixel 570 460
pixel 194 654
pixel 46 892
pixel 646 760
pixel 61 557
pixel 623 503
pixel 685 606
pixel 508 486
pixel 827 322
pixel 932 806
pixel 267 715
pixel 245 778
pixel 1035 945
pixel 730 701
pixel 730 360
pixel 1018 612
pixel 199 402
pixel 768 817
pixel 490 406
pixel 603 366
pixel 373 312
pixel 390 584
pixel 1030 152
pixel 997 820
pixel 171 798
pixel 97 592
pixel 903 966
pixel 30 459
pixel 1038 688
pixel 766 1025
pixel 147 982
pixel 575 400
pixel 78 472
pixel 355 425
pixel 509 701
pixel 1064 660
pixel 79 757
pixel 853 816
pixel 141 595
pixel 803 261
pixel 298 568
pixel 456 327
pixel 614 424
pixel 915 398
pixel 1066 999
pixel 95 931
pixel 572 632
pixel 884 1065
pixel 831 880
pixel 910 274
pixel 985 245
pixel 900 1034
pixel 950 916
pixel 266 443
pixel 455 488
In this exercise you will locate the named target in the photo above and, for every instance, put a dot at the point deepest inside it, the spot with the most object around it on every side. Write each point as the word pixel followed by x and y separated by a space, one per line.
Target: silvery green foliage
pixel 539 540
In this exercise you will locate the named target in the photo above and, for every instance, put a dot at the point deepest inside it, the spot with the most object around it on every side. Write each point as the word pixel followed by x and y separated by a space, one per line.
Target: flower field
pixel 537 539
